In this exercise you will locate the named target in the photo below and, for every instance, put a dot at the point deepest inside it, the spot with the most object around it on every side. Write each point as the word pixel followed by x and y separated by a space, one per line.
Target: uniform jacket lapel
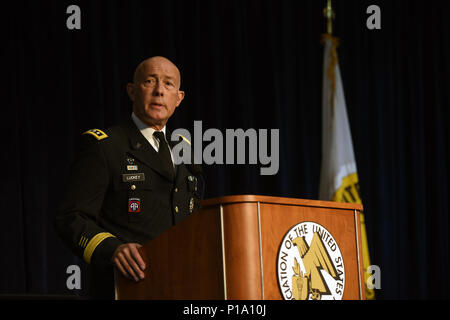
pixel 143 150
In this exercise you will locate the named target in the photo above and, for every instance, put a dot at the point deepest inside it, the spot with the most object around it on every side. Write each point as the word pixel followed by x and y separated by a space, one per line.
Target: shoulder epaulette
pixel 185 139
pixel 97 133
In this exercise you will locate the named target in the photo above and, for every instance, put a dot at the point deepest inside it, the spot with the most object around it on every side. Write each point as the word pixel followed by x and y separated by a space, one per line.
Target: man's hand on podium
pixel 129 262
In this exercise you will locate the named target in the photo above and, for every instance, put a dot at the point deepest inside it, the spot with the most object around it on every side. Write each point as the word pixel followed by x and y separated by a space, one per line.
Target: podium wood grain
pixel 228 250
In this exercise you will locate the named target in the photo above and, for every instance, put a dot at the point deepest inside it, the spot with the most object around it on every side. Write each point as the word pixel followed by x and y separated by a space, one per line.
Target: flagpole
pixel 328 12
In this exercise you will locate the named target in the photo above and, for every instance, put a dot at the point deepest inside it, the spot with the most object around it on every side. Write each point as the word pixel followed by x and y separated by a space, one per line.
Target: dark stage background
pixel 245 64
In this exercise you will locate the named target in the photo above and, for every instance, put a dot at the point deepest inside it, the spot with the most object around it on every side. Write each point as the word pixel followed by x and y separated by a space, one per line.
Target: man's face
pixel 155 92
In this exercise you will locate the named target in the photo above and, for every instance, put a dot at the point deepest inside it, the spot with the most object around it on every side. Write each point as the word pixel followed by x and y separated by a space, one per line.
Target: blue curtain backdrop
pixel 244 64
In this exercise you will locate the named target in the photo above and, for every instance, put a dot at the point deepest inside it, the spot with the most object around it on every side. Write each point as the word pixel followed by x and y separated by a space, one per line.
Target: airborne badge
pixel 134 205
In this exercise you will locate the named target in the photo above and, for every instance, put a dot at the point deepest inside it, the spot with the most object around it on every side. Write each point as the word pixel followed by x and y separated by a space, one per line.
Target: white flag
pixel 338 176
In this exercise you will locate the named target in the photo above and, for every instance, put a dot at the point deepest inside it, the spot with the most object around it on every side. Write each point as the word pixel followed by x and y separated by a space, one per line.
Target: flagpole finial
pixel 328 13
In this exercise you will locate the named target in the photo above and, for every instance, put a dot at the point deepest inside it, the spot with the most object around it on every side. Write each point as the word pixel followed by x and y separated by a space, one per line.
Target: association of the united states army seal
pixel 310 264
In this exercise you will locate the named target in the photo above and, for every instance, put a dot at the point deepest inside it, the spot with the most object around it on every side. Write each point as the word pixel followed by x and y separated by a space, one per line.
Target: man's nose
pixel 158 90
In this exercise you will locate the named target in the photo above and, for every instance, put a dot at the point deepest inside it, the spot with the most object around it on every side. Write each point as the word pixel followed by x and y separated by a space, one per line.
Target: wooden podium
pixel 236 248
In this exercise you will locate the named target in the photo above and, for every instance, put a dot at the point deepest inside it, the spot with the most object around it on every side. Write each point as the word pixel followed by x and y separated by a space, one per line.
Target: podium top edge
pixel 280 200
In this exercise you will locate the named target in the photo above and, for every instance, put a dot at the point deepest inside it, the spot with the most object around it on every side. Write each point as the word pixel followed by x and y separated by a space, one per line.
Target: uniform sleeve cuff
pixel 102 255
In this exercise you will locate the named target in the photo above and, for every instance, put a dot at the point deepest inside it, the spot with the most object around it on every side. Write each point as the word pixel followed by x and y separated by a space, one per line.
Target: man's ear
pixel 130 91
pixel 180 97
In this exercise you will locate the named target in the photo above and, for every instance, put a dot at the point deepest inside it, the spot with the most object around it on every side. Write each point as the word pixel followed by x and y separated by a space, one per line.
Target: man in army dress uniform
pixel 124 188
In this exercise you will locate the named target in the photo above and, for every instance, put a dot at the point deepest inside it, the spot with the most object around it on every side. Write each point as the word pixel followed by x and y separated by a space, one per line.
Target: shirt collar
pixel 147 131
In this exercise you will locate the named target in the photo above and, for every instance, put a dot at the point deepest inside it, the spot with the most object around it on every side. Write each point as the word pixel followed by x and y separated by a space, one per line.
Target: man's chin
pixel 152 120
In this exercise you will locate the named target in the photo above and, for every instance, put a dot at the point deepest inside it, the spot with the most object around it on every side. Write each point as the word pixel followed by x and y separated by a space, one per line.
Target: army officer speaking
pixel 124 188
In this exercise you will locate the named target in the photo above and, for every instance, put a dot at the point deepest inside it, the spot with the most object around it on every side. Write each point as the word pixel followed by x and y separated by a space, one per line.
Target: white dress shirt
pixel 147 132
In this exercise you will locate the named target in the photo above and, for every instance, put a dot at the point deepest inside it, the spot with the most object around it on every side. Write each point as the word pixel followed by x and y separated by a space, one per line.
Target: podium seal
pixel 310 264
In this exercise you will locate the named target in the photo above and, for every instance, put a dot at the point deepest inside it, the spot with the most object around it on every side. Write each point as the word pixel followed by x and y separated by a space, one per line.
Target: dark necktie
pixel 164 153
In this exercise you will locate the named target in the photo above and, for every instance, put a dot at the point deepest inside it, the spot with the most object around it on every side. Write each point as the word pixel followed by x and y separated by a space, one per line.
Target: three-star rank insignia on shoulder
pixel 97 134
